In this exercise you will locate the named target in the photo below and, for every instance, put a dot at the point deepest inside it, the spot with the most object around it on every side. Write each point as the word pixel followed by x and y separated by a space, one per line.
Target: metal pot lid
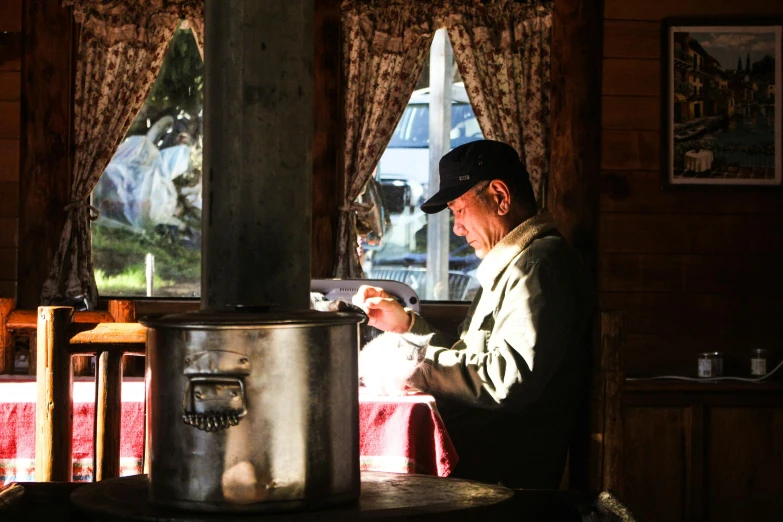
pixel 256 316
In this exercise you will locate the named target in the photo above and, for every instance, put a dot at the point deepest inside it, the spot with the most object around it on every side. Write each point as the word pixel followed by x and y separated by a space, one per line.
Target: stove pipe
pixel 258 127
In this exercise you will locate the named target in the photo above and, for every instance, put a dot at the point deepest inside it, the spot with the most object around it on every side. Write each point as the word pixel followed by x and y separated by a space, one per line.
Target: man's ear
pixel 502 196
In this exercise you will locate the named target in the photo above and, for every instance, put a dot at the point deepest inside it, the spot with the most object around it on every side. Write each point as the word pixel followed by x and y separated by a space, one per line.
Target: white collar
pixel 497 259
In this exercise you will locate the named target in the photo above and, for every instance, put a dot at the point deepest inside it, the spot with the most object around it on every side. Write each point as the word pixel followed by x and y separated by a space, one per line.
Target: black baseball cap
pixel 470 163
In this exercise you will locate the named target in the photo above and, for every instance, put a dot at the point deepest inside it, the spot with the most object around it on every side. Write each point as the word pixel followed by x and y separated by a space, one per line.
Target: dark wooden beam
pixel 46 141
pixel 575 120
pixel 327 135
pixel 574 175
pixel 613 380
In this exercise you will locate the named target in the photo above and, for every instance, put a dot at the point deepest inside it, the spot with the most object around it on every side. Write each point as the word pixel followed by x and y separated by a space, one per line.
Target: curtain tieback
pixel 361 209
pixel 93 213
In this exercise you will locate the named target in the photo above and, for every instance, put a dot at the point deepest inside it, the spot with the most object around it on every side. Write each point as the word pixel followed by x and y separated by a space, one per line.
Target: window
pixel 403 176
pixel 149 195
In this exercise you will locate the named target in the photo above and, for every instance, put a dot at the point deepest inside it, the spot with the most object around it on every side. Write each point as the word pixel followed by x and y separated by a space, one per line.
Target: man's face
pixel 477 220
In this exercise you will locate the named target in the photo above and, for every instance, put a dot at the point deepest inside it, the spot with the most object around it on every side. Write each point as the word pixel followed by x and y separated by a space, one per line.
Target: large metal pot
pixel 253 411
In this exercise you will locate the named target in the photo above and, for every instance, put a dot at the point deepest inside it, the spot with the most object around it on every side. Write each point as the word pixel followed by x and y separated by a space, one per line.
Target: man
pixel 509 388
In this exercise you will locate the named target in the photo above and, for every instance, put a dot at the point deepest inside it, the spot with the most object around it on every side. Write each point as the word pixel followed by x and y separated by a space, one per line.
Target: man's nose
pixel 459 229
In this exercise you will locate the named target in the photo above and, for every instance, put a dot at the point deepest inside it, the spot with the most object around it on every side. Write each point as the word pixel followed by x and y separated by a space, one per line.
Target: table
pixel 404 435
pixel 698 161
pixel 397 434
pixel 384 496
pixel 17 428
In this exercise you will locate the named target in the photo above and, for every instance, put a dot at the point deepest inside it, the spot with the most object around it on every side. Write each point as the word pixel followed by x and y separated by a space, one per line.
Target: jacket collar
pixel 510 247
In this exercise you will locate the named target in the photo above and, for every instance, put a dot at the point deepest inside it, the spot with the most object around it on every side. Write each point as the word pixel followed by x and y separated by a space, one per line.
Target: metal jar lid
pixel 244 317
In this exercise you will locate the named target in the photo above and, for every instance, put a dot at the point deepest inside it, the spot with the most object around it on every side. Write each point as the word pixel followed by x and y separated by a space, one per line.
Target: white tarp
pixel 136 189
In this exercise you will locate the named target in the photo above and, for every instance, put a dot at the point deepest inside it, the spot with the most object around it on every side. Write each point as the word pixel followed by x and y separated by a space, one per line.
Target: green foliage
pixel 764 69
pixel 132 281
pixel 179 86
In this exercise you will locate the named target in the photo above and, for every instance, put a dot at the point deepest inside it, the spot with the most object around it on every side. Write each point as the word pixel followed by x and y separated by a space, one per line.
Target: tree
pixel 739 64
pixel 179 85
pixel 764 69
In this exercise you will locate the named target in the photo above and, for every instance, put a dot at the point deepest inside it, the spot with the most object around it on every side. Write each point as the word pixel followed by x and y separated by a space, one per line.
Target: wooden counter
pixel 703 451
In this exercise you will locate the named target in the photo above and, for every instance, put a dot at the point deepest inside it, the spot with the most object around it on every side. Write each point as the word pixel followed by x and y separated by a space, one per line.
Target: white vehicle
pixel 407 155
pixel 403 172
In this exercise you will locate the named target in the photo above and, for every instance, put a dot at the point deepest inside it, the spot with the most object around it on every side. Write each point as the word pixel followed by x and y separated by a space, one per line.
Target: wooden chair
pixel 22 323
pixel 61 333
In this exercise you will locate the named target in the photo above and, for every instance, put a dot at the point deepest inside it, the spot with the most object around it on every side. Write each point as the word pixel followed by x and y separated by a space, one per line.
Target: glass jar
pixel 758 362
pixel 710 364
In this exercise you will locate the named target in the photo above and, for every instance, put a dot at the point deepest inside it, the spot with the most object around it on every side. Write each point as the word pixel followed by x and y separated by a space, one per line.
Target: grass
pixel 132 281
pixel 119 255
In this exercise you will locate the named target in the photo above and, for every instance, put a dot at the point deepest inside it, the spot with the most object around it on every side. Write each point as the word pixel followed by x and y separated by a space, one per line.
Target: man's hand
pixel 384 312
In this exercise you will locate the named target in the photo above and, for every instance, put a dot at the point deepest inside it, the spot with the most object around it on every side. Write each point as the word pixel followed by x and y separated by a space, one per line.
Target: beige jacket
pixel 528 317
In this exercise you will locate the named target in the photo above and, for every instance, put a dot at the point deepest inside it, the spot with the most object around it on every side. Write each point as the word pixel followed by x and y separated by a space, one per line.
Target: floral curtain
pixel 502 51
pixel 121 48
pixel 385 46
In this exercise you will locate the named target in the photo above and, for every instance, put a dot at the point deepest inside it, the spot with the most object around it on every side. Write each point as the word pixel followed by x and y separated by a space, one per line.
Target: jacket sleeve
pixel 507 362
pixel 422 327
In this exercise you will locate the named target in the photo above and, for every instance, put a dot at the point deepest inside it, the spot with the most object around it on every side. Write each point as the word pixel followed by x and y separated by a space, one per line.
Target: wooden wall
pixel 10 110
pixel 695 269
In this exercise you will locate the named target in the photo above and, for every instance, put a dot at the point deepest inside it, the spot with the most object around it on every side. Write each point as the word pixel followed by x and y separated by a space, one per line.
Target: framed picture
pixel 721 97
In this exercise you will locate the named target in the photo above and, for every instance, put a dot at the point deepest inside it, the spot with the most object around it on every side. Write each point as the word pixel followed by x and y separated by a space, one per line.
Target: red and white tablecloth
pixel 397 434
pixel 404 435
pixel 17 428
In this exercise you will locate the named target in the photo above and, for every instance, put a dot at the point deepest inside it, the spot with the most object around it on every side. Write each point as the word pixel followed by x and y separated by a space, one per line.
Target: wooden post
pixel 124 311
pixel 6 339
pixel 596 413
pixel 575 117
pixel 54 404
pixel 574 165
pixel 328 144
pixel 612 348
pixel 47 146
pixel 108 414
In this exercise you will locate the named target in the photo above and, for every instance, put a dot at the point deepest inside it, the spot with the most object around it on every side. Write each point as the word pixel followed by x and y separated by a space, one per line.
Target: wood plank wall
pixel 10 111
pixel 694 270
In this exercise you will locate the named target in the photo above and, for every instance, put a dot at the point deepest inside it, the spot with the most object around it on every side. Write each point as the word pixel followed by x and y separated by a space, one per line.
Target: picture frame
pixel 721 102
